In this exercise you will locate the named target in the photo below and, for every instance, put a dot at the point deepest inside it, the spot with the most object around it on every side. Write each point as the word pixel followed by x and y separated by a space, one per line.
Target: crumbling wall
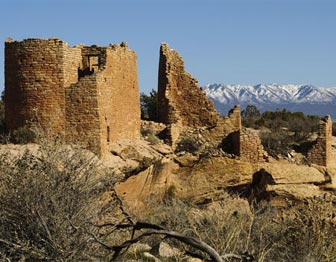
pixel 227 125
pixel 34 83
pixel 180 97
pixel 238 140
pixel 321 153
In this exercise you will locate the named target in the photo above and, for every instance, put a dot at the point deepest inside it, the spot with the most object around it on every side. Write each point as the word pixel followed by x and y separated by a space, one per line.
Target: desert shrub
pixel 297 122
pixel 149 135
pixel 304 232
pixel 277 143
pixel 23 135
pixel 220 227
pixel 285 130
pixel 48 202
pixel 250 115
pixel 153 139
pixel 191 144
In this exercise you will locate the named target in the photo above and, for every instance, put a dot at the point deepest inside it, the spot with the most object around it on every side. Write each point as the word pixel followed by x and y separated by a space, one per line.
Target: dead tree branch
pixel 157 230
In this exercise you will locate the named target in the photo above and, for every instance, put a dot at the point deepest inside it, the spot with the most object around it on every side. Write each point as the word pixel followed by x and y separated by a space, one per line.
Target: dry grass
pixel 48 201
pixel 302 233
pixel 48 205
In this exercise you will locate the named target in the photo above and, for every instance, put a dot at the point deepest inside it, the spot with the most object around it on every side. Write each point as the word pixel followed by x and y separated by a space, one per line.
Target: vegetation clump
pixel 48 205
pixel 303 232
pixel 149 106
pixel 281 130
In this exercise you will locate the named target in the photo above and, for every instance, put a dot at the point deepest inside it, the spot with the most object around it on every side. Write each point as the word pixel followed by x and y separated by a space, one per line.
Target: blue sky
pixel 222 41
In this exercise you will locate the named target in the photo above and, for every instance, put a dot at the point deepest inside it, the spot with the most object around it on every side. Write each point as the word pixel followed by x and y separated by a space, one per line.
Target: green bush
pixel 149 106
pixel 283 130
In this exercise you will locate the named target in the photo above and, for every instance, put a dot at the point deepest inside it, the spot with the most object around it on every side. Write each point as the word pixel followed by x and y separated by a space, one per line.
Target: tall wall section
pixel 82 114
pixel 118 96
pixel 321 153
pixel 35 78
pixel 104 105
pixel 180 97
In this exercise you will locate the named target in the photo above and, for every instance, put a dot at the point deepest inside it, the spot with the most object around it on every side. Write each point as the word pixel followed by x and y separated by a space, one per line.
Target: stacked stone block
pixel 182 103
pixel 320 153
pixel 179 95
pixel 89 94
pixel 227 125
pixel 34 84
pixel 250 147
pixel 105 106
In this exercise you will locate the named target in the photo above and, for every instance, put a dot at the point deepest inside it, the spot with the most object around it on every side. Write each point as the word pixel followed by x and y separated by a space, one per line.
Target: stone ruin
pixel 183 104
pixel 320 153
pixel 89 94
pixel 180 98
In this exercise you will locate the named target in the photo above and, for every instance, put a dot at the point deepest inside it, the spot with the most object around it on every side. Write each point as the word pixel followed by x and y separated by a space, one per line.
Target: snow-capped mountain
pixel 306 98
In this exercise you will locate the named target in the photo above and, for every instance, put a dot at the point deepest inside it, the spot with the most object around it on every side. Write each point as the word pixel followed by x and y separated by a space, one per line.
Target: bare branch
pixel 157 230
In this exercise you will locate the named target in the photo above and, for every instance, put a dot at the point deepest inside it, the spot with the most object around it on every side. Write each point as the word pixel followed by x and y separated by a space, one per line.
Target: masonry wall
pixel 34 84
pixel 321 153
pixel 227 125
pixel 237 140
pixel 104 106
pixel 88 93
pixel 180 97
pixel 250 147
pixel 118 96
pixel 72 60
pixel 82 114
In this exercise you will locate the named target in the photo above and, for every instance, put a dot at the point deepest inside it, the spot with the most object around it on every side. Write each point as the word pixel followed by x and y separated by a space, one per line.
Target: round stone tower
pixel 34 84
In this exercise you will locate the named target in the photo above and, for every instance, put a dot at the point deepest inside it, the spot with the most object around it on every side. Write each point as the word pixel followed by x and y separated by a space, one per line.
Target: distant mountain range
pixel 305 98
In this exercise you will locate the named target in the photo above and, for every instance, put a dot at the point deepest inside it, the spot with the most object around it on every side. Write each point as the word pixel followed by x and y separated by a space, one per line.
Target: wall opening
pixel 108 134
pixel 90 65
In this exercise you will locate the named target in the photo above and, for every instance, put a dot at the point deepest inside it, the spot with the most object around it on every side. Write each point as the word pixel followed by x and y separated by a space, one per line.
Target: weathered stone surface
pixel 250 147
pixel 147 187
pixel 166 251
pixel 150 257
pixel 244 142
pixel 131 157
pixel 34 84
pixel 181 101
pixel 90 94
pixel 321 153
pixel 207 180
